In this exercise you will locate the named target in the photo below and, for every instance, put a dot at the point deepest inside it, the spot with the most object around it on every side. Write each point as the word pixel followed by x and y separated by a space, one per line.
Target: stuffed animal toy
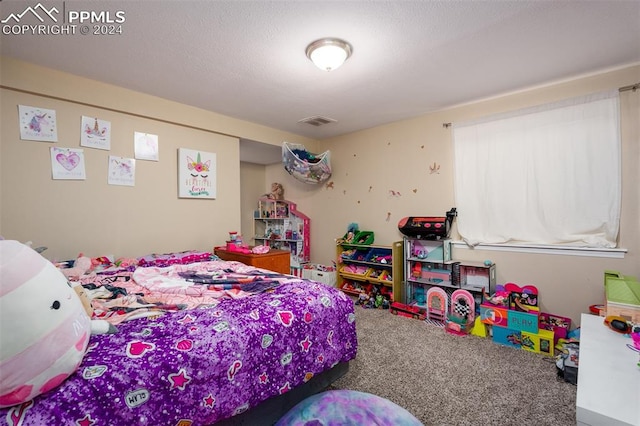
pixel 126 262
pixel 44 329
pixel 100 262
pixel 277 191
pixel 97 326
pixel 81 266
pixel 352 230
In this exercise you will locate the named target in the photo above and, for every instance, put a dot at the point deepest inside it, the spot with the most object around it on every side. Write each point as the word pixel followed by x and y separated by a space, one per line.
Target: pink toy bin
pixel 556 323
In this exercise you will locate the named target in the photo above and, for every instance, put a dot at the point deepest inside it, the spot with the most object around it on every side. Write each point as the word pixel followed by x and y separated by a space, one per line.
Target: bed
pixel 199 341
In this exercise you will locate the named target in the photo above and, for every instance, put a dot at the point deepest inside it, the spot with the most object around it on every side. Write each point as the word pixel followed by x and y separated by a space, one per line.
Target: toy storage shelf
pixel 279 225
pixel 428 263
pixel 477 277
pixel 357 257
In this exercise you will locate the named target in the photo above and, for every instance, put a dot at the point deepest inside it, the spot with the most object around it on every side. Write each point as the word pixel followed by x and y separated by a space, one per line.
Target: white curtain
pixel 548 175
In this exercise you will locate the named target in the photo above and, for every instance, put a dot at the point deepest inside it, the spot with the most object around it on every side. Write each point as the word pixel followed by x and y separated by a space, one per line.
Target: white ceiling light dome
pixel 329 54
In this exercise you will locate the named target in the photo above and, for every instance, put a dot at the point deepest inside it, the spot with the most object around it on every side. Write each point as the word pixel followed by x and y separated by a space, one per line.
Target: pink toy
pixel 81 266
pixel 524 299
pixel 499 298
pixel 462 313
pixel 437 304
pixel 125 262
pixel 100 262
pixel 636 340
pixel 44 329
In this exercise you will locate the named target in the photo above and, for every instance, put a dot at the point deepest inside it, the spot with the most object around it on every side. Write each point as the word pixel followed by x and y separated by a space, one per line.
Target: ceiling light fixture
pixel 329 53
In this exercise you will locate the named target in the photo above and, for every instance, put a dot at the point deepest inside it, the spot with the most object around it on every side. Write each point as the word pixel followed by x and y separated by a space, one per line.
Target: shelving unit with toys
pixel 432 277
pixel 453 293
pixel 368 269
pixel 280 225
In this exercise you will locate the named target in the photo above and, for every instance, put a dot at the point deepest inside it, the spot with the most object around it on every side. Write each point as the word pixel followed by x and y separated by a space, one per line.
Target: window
pixel 548 175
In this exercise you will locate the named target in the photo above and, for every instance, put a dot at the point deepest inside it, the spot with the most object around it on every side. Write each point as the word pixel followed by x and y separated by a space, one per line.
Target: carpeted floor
pixel 455 380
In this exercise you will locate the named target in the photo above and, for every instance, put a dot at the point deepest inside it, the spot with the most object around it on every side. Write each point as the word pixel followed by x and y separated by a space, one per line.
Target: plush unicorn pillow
pixel 44 329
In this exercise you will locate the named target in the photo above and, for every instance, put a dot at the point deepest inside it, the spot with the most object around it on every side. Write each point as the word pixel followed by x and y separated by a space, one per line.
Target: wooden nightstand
pixel 274 260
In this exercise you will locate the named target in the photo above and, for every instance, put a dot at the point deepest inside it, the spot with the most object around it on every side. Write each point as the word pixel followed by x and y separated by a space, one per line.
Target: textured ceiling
pixel 246 59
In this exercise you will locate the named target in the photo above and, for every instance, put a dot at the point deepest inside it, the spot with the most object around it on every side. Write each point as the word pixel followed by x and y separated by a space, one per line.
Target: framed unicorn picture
pixel 122 171
pixel 196 174
pixel 145 146
pixel 95 133
pixel 37 124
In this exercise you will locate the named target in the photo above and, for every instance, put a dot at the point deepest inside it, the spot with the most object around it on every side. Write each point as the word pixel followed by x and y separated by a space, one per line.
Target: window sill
pixel 613 253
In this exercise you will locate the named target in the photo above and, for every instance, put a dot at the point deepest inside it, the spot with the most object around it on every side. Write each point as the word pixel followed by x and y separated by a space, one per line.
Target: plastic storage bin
pixel 364 237
pixel 324 274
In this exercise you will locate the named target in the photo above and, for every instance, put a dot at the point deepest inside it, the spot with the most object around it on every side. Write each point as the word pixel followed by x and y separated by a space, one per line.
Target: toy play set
pixel 461 297
pixel 409 311
pixel 461 316
pixel 279 224
pixel 449 291
pixel 428 227
pixel 515 320
pixel 511 316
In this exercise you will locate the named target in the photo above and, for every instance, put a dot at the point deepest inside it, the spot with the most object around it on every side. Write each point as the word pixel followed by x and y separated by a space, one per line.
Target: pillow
pixel 44 329
pixel 347 408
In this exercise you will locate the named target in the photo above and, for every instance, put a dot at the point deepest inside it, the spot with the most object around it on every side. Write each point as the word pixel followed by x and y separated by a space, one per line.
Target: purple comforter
pixel 199 366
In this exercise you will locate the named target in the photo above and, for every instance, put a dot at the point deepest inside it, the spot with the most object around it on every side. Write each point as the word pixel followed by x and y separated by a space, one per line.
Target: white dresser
pixel 608 377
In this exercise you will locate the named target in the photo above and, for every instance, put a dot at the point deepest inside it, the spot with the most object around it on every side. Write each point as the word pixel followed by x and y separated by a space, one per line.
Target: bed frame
pixel 271 410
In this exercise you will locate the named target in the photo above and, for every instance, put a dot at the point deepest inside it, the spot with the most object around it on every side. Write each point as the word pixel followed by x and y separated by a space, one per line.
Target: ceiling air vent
pixel 317 120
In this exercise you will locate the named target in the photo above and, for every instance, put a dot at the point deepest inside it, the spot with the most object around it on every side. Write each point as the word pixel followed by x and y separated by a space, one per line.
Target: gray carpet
pixel 455 380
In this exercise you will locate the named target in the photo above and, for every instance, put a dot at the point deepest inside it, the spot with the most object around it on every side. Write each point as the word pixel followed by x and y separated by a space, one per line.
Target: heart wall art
pixel 37 124
pixel 67 163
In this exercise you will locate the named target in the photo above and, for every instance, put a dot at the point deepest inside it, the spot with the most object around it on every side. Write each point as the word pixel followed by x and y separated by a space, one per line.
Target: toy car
pixel 410 311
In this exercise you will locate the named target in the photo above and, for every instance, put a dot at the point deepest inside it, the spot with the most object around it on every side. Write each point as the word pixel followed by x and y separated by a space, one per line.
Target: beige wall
pixel 252 187
pixel 96 218
pixel 380 176
pixel 92 216
pixel 29 77
pixel 383 174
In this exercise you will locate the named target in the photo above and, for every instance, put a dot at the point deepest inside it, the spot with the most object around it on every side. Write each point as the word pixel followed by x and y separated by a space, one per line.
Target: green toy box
pixel 364 237
pixel 622 295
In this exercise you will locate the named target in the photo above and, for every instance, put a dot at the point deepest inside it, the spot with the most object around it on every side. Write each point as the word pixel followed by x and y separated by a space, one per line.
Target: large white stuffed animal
pixel 44 329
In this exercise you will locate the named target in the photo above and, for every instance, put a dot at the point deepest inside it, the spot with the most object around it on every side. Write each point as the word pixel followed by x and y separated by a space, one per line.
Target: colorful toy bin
pixel 493 315
pixel 541 342
pixel 507 337
pixel 364 237
pixel 557 324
